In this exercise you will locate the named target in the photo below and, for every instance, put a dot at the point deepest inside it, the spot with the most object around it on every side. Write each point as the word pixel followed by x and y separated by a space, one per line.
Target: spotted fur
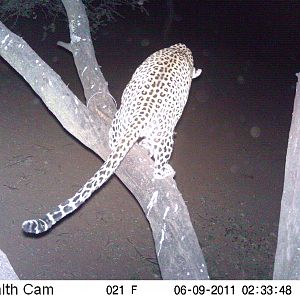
pixel 151 106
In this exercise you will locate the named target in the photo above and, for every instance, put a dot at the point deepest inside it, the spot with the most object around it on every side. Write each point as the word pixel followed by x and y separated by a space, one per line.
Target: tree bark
pixel 178 251
pixel 287 259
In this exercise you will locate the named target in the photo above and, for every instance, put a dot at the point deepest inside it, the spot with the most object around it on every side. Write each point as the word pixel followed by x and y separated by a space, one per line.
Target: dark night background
pixel 229 150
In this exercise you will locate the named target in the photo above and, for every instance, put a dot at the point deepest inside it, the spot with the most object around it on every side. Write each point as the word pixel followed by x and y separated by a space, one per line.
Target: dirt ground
pixel 229 159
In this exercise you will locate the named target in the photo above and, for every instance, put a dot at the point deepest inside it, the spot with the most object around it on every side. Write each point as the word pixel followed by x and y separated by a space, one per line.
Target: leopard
pixel 151 106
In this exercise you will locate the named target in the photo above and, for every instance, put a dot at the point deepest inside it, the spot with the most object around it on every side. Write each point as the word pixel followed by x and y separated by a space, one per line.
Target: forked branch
pixel 178 251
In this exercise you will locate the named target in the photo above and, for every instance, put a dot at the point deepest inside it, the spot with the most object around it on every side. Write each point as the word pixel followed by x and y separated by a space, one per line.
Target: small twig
pixel 12 188
pixel 152 260
pixel 67 145
pixel 63 233
pixel 67 46
pixel 43 147
pixel 22 160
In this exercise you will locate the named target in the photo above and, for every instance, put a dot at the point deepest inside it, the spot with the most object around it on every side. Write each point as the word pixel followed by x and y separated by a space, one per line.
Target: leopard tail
pixel 44 223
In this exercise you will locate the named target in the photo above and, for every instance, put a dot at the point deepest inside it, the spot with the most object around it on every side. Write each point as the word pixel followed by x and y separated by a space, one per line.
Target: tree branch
pixel 94 84
pixel 178 251
pixel 287 259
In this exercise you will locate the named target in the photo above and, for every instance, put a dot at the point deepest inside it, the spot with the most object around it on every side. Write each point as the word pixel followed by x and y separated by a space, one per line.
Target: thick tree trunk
pixel 287 259
pixel 178 251
pixel 6 270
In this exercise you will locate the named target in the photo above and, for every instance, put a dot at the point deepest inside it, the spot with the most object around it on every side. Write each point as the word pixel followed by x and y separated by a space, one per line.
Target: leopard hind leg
pixel 162 151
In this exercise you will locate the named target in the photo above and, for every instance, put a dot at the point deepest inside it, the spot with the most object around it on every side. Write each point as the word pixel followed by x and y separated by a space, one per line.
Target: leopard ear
pixel 196 73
